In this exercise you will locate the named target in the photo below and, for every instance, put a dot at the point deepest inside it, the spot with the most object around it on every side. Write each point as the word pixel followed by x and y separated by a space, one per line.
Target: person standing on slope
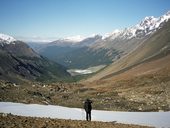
pixel 88 108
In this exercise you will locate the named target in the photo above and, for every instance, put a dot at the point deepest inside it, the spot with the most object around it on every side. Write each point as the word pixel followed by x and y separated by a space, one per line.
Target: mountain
pixel 129 38
pixel 152 55
pixel 80 52
pixel 37 46
pixel 18 62
pixel 145 27
pixel 6 39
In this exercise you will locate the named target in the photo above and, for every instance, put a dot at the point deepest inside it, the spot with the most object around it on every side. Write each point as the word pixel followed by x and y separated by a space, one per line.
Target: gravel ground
pixel 11 121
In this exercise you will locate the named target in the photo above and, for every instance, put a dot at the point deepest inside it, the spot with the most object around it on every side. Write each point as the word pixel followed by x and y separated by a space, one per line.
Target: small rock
pixel 4 114
pixel 140 108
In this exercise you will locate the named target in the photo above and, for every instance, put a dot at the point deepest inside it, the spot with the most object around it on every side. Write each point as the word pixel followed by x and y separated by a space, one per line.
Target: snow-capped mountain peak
pixel 147 22
pixel 147 26
pixel 6 38
pixel 77 38
pixel 166 16
pixel 114 34
pixel 151 23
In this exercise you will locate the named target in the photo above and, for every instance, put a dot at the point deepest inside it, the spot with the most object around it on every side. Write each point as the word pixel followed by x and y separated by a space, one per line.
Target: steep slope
pixel 155 46
pixel 158 66
pixel 18 62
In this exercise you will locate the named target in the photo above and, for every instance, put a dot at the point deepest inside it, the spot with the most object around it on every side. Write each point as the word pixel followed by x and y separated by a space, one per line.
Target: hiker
pixel 88 108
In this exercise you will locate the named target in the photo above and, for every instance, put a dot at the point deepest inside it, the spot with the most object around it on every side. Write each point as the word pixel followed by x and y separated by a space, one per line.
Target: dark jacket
pixel 87 105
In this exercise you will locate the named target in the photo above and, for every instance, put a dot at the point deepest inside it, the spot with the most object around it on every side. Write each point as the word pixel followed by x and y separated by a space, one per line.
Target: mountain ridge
pixel 122 41
pixel 18 62
pixel 154 47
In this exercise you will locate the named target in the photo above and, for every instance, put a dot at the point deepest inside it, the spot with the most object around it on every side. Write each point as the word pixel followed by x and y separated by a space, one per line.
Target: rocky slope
pixel 145 92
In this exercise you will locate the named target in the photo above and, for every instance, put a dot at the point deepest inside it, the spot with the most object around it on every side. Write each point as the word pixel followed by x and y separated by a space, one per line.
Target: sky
pixel 52 19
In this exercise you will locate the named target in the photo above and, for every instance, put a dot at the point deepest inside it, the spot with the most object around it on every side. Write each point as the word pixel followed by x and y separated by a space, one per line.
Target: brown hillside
pixel 156 46
pixel 158 66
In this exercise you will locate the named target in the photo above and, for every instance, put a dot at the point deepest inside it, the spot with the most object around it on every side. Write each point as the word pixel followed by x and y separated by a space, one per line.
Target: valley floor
pixel 145 93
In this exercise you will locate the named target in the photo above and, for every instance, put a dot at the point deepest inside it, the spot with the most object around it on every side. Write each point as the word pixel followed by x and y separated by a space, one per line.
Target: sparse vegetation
pixel 144 93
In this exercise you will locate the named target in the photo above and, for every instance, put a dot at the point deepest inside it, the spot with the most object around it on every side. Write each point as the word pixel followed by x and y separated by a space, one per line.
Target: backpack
pixel 88 106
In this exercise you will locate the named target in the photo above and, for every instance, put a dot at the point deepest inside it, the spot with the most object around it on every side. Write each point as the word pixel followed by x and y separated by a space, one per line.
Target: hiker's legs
pixel 90 115
pixel 87 116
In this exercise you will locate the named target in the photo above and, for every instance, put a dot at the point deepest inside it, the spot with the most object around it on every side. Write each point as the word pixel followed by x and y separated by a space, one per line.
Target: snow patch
pixel 83 71
pixel 89 70
pixel 77 38
pixel 156 119
pixel 6 38
pixel 113 34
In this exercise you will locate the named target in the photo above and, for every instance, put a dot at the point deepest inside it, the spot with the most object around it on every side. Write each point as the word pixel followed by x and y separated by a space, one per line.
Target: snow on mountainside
pixel 76 40
pixel 109 47
pixel 145 27
pixel 72 40
pixel 114 34
pixel 6 38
